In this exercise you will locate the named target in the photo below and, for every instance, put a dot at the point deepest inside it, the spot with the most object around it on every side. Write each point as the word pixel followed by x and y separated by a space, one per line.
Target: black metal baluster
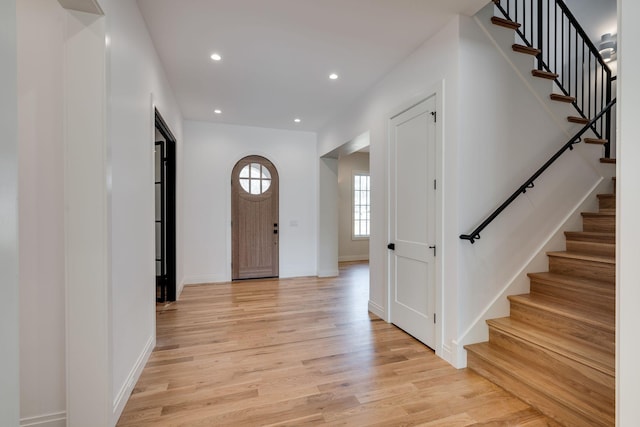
pixel 583 96
pixel 562 57
pixel 589 85
pixel 540 60
pixel 548 35
pixel 531 21
pixel 569 58
pixel 555 39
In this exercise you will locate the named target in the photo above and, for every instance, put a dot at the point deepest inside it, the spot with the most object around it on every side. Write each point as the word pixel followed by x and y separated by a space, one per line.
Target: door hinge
pixel 434 114
pixel 434 318
pixel 435 185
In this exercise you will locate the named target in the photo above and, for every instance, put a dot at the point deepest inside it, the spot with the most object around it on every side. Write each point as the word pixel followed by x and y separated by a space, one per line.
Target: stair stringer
pixel 499 306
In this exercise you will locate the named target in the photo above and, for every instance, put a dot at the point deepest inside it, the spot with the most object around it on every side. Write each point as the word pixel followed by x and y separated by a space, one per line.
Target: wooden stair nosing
pixel 597 214
pixel 590 266
pixel 596 141
pixel 565 280
pixel 606 196
pixel 527 50
pixel 592 248
pixel 586 257
pixel 608 160
pixel 598 224
pixel 604 220
pixel 602 321
pixel 591 236
pixel 544 74
pixel 506 23
pixel 588 294
pixel 566 350
pixel 562 98
pixel 569 375
pixel 533 388
pixel 579 120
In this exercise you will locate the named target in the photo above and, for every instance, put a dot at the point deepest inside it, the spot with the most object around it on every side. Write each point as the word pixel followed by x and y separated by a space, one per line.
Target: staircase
pixel 556 350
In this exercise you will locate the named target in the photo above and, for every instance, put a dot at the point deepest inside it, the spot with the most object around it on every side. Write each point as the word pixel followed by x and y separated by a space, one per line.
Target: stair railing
pixel 565 50
pixel 528 184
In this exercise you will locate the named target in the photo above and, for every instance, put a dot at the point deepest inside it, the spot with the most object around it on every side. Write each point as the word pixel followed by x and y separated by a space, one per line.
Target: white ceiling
pixel 278 54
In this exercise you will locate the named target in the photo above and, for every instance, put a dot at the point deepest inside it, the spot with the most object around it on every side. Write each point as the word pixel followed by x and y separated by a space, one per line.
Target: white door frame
pixel 437 91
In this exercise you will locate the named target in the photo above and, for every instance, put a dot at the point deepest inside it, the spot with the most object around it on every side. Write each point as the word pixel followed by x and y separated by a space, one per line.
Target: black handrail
pixel 475 234
pixel 565 50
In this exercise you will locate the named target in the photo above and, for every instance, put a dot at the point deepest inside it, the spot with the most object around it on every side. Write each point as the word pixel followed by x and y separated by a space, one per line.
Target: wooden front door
pixel 254 213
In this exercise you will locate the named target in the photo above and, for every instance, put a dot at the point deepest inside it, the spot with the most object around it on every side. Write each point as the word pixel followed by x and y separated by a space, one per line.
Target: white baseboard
pixel 58 419
pixel 447 354
pixel 204 278
pixel 328 273
pixel 287 274
pixel 180 289
pixel 348 258
pixel 377 310
pixel 125 391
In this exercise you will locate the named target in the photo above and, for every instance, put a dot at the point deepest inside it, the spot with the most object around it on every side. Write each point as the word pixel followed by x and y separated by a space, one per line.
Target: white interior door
pixel 412 219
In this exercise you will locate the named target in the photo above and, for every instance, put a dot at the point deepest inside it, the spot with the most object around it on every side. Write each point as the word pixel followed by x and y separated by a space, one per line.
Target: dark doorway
pixel 165 215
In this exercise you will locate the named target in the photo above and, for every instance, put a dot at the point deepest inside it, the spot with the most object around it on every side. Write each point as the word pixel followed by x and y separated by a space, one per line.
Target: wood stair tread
pixel 606 196
pixel 595 141
pixel 608 160
pixel 546 384
pixel 525 49
pixel 587 257
pixel 562 98
pixel 571 348
pixel 609 213
pixel 601 320
pixel 577 119
pixel 591 236
pixel 597 285
pixel 544 74
pixel 506 23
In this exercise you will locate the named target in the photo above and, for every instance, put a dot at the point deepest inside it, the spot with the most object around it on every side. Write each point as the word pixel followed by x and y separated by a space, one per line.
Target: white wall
pixel 211 151
pixel 350 249
pixel 41 39
pixel 135 81
pixel 328 217
pixel 415 78
pixel 9 376
pixel 628 208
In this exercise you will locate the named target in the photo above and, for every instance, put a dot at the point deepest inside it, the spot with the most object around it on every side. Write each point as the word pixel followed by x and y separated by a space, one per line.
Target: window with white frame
pixel 361 205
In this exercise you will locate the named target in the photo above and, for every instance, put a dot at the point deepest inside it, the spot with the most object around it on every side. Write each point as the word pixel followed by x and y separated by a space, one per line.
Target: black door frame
pixel 166 281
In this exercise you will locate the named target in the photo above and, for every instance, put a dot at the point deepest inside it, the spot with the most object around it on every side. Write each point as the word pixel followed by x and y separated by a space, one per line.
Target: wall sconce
pixel 607 47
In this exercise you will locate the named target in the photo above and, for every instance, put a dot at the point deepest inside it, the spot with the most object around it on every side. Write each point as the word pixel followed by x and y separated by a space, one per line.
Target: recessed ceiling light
pixel 297 120
pixel 333 76
pixel 216 57
pixel 217 111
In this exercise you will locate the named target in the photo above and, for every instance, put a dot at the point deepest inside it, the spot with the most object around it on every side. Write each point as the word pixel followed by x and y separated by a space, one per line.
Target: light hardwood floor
pixel 303 351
